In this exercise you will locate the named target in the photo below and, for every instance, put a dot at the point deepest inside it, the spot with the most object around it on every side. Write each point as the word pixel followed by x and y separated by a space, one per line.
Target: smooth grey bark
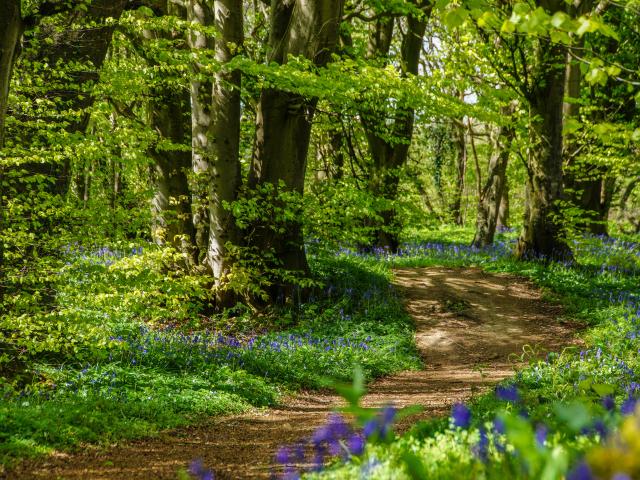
pixel 307 28
pixel 389 156
pixel 169 116
pixel 200 13
pixel 224 140
pixel 503 213
pixel 216 114
pixel 542 235
pixel 492 194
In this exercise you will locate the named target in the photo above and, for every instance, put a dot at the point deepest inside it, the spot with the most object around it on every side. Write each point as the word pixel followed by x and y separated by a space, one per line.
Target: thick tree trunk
pixel 493 192
pixel 224 141
pixel 542 235
pixel 308 28
pixel 171 204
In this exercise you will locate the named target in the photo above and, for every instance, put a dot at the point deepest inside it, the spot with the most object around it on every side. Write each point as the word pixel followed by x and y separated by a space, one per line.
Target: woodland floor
pixel 468 325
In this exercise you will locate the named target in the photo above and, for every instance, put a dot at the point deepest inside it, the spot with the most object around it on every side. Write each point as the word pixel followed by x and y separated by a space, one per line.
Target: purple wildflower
pixel 356 444
pixel 481 449
pixel 283 456
pixel 198 470
pixel 508 393
pixel 608 403
pixel 628 406
pixel 581 472
pixel 499 426
pixel 541 434
pixel 370 428
pixel 461 415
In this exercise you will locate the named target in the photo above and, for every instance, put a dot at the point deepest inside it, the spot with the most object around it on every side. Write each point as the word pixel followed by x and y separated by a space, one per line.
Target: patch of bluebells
pixel 177 350
pixel 336 438
pixel 450 251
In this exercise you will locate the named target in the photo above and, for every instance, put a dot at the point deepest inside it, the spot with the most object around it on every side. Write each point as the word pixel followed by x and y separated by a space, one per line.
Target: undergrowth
pixel 128 352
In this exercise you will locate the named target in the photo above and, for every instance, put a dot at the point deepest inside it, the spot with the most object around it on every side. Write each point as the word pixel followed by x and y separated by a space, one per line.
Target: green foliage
pixel 130 353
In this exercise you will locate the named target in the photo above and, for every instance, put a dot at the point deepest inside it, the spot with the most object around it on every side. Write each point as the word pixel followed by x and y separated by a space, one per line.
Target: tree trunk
pixel 171 204
pixel 542 235
pixel 10 32
pixel 389 156
pixel 461 171
pixel 503 213
pixel 283 123
pixel 493 192
pixel 199 12
pixel 224 141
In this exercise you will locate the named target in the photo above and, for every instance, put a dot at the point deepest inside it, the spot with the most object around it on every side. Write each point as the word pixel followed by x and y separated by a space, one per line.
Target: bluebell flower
pixel 356 444
pixel 608 403
pixel 481 449
pixel 629 405
pixel 197 469
pixel 581 472
pixel 370 428
pixel 541 434
pixel 507 393
pixel 283 455
pixel 461 415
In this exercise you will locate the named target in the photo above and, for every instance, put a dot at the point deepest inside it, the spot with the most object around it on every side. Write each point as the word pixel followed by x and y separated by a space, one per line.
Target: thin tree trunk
pixel 200 13
pixel 461 172
pixel 171 204
pixel 492 193
pixel 542 235
pixel 503 213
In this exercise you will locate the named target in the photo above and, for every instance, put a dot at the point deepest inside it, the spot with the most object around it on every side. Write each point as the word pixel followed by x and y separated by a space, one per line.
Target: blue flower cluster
pixel 336 438
pixel 177 350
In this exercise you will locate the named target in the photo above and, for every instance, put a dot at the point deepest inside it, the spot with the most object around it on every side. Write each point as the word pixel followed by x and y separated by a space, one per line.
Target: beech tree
pixel 306 28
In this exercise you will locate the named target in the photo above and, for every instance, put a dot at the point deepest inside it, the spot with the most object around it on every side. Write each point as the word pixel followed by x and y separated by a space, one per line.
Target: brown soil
pixel 468 326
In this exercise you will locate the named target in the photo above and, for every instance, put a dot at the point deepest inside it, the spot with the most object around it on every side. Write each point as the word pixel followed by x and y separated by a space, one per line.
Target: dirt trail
pixel 465 319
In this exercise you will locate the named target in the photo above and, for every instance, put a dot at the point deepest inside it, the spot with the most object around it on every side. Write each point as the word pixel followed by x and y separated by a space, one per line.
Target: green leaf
pixel 602 389
pixel 575 415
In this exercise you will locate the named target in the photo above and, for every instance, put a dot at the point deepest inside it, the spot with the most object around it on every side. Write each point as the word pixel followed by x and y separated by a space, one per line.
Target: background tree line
pixel 243 135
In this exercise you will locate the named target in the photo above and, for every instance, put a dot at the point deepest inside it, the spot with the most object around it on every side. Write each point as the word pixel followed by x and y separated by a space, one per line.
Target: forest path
pixel 468 323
